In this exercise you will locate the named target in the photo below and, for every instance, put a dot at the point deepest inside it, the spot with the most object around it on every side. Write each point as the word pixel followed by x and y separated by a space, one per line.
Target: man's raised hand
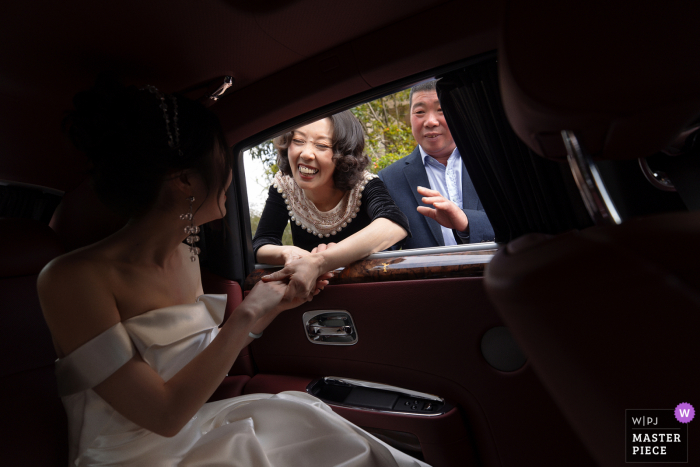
pixel 446 213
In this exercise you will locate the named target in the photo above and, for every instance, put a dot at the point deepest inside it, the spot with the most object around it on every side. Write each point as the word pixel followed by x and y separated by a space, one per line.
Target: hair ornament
pixel 174 143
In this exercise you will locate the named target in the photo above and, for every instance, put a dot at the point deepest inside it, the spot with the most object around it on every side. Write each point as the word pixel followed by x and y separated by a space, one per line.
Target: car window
pixel 388 138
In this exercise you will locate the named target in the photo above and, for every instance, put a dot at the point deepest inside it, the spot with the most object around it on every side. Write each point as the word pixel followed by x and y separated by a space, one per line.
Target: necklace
pixel 305 214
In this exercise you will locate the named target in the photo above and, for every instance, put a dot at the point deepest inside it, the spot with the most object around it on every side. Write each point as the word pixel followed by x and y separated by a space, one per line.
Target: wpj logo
pixel 658 435
pixel 685 412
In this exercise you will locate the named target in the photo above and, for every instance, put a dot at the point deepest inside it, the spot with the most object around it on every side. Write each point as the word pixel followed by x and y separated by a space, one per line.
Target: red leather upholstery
pixel 425 335
pixel 231 386
pixel 35 430
pixel 213 283
pixel 607 317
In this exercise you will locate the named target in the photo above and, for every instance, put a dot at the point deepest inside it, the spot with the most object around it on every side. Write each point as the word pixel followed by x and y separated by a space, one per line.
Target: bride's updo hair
pixel 348 150
pixel 122 130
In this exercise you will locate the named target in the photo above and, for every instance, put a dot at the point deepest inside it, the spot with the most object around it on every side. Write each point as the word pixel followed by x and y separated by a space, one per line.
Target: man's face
pixel 428 125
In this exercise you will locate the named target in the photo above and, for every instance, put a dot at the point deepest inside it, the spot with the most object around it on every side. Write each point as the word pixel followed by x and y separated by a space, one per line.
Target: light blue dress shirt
pixel 446 180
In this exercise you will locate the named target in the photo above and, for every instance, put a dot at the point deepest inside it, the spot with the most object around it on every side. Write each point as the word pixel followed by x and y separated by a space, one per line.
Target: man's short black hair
pixel 425 86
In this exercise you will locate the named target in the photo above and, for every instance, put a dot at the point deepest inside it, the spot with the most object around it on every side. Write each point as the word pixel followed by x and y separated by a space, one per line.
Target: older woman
pixel 323 189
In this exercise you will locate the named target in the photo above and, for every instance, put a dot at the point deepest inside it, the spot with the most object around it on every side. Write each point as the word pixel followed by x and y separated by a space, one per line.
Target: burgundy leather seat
pixel 604 314
pixel 34 422
pixel 242 369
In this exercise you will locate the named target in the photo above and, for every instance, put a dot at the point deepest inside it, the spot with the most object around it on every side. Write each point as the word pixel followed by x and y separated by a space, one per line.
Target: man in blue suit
pixel 431 185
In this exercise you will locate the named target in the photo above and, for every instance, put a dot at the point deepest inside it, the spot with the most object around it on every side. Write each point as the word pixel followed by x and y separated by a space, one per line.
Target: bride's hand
pixel 264 303
pixel 268 297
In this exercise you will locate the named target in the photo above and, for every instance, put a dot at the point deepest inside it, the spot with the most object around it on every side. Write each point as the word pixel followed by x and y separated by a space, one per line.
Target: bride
pixel 139 344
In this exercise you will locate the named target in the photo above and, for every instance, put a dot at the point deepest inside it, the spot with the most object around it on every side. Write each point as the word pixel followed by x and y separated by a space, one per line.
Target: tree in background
pixel 267 155
pixel 388 138
pixel 387 126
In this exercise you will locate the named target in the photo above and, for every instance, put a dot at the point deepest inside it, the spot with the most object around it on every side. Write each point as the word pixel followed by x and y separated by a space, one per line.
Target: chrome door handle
pixel 329 330
pixel 330 327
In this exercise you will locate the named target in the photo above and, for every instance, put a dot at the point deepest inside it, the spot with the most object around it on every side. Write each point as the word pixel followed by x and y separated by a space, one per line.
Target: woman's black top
pixel 376 203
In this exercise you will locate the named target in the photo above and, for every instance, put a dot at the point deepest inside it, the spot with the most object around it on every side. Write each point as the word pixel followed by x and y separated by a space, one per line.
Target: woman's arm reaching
pixel 267 242
pixel 279 254
pixel 302 273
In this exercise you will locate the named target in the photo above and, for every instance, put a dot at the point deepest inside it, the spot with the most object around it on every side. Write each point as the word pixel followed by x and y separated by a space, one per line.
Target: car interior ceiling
pixel 582 299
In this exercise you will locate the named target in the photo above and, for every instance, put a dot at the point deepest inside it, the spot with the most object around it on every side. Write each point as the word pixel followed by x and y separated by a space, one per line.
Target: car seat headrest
pixel 623 78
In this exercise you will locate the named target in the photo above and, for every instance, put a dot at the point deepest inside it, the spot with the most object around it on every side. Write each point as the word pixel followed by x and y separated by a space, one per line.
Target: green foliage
pixel 267 155
pixel 387 126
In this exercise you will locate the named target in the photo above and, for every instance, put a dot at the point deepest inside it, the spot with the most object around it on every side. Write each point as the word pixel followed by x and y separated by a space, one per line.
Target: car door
pixel 423 324
pixel 424 327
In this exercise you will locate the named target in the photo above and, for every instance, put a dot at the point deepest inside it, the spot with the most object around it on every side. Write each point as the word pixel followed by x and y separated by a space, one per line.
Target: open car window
pixel 388 138
pixel 506 189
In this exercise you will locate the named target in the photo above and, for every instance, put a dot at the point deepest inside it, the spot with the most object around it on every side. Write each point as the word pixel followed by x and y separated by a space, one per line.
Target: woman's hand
pixel 323 247
pixel 291 253
pixel 279 254
pixel 305 277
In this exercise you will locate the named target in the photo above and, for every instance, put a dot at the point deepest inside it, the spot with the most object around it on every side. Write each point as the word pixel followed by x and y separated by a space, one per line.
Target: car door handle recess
pixel 329 330
pixel 329 327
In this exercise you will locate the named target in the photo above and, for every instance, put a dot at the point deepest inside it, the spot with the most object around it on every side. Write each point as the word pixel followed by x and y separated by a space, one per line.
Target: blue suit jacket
pixel 402 179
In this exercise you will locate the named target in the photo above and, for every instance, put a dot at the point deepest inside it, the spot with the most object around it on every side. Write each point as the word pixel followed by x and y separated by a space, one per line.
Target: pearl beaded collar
pixel 320 223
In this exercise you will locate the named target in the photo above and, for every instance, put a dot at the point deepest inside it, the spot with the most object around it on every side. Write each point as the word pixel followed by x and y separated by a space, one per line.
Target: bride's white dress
pixel 286 429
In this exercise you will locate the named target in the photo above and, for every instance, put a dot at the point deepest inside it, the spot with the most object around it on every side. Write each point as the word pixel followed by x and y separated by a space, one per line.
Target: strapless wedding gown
pixel 286 429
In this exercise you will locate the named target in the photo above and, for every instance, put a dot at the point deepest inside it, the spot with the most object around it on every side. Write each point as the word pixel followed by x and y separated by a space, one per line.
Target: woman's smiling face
pixel 311 155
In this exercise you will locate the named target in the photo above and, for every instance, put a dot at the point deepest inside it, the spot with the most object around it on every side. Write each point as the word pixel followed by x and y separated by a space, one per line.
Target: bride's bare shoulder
pixel 76 297
pixel 82 264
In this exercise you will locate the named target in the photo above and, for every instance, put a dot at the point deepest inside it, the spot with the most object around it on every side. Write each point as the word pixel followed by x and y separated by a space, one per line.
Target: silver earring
pixel 191 231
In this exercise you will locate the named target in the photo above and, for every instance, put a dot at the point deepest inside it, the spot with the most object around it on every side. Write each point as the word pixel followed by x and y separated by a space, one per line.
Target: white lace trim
pixel 304 213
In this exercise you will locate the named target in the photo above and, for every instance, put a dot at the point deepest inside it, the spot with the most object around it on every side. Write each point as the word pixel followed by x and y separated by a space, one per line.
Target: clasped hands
pixel 446 213
pixel 303 273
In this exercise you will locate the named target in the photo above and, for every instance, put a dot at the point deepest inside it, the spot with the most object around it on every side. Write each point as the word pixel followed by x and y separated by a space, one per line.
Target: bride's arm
pixel 78 306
